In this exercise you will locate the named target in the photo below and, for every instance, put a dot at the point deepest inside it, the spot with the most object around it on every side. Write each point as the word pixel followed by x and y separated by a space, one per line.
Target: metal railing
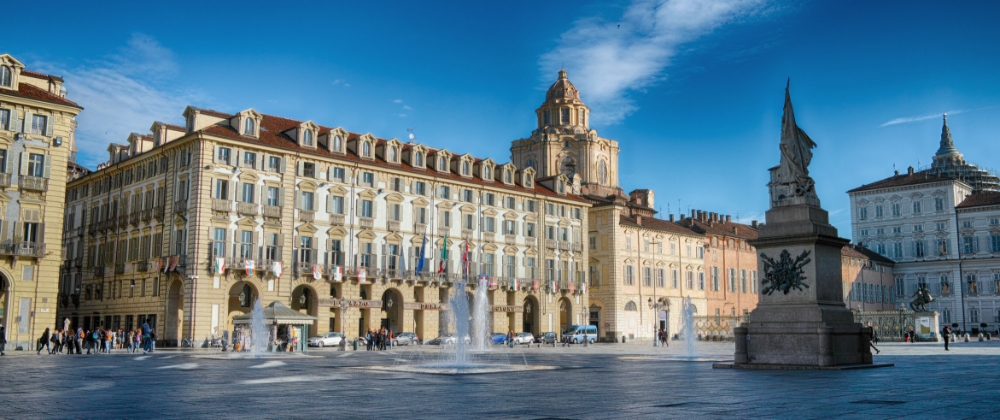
pixel 180 206
pixel 249 209
pixel 22 249
pixel 123 220
pixel 158 212
pixel 33 183
pixel 272 211
pixel 119 268
pixel 4 179
pixel 142 266
pixel 147 215
pixel 133 219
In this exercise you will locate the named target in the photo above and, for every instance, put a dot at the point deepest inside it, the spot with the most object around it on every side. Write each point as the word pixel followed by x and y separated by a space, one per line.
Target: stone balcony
pixel 510 239
pixel 419 228
pixel 247 209
pixel 133 219
pixel 577 247
pixel 146 215
pixel 307 216
pixel 550 243
pixel 22 249
pixel 180 206
pixel 337 219
pixel 4 179
pixel 123 221
pixel 33 183
pixel 158 212
pixel 393 226
pixel 367 223
pixel 564 245
pixel 272 212
pixel 222 205
pixel 119 268
pixel 443 230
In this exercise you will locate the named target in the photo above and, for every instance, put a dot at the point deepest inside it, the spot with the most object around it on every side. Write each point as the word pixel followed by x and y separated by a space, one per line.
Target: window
pixel 546 116
pixel 630 306
pixel 392 154
pixel 445 218
pixel 4 119
pixel 863 213
pixel 645 244
pixel 942 245
pixel 900 286
pixel 629 275
pixel 628 242
pixel 422 216
pixel 468 225
pixel 690 280
pixel 531 205
pixel 508 227
pixel 880 248
pixel 967 223
pixel 897 229
pixel 36 165
pixel 974 315
pixel 221 189
pixel 418 159
pixel 367 208
pixel 246 245
pixel 732 280
pixel 248 127
pixel 530 227
pixel 337 143
pixel 487 173
pixel 970 245
pixel 308 200
pixel 338 174
pixel 366 149
pixel 419 188
pixel 564 118
pixel 918 249
pixel 661 277
pixel 39 124
pixel 938 204
pixel 941 226
pixel 715 279
pixel 918 228
pixel 5 76
pixel 442 164
pixel 995 242
pixel 219 242
pixel 272 196
pixel 895 209
pixel 246 195
pixel 309 169
pixel 507 177
pixel 647 276
pixel 878 211
pixel 488 262
pixel 897 250
pixel 274 164
pixel 593 243
pixel 510 202
pixel 916 207
pixel 490 224
pixel 701 281
pixel 444 191
pixel 368 179
pixel 489 199
pixel 250 159
pixel 467 196
pixel 307 138
pixel 465 168
pixel 743 281
pixel 223 155
pixel 306 249
pixel 994 222
pixel 337 204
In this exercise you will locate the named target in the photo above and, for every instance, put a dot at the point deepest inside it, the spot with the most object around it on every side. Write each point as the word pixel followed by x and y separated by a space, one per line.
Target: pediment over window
pixel 335 140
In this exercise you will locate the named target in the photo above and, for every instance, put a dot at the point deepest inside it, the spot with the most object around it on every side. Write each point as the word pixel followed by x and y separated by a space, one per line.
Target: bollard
pixel 623 339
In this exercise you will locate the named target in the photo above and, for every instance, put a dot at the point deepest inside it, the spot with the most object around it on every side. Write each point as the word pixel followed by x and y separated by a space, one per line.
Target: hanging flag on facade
pixel 317 272
pixel 443 267
pixel 515 284
pixel 250 265
pixel 174 262
pixel 553 288
pixel 276 268
pixel 402 261
pixel 338 274
pixel 361 275
pixel 570 285
pixel 534 285
pixel 420 262
pixel 220 265
pixel 583 287
pixel 493 283
pixel 465 258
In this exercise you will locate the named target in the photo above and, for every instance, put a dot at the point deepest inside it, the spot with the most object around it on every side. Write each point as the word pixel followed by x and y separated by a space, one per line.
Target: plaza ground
pixel 632 380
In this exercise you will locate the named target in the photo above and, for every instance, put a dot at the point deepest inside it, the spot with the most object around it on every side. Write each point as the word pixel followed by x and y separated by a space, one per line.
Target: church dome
pixel 562 89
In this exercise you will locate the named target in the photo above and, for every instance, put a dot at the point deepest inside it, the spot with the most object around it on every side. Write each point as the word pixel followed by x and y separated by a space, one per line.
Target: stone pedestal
pixel 926 326
pixel 809 326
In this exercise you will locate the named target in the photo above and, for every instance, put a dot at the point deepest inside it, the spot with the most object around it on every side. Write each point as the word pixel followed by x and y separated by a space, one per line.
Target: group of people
pixel 380 339
pixel 661 335
pixel 96 341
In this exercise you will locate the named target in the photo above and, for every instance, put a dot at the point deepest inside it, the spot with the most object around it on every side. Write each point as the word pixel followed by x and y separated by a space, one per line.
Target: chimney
pixel 728 218
pixel 638 220
pixel 671 218
pixel 909 171
pixel 753 223
pixel 693 212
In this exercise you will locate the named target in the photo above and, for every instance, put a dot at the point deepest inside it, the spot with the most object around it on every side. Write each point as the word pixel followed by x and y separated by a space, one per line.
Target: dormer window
pixel 418 159
pixel 561 187
pixel 465 168
pixel 248 127
pixel 5 76
pixel 487 173
pixel 337 144
pixel 307 138
pixel 507 176
pixel 442 164
pixel 366 149
pixel 392 154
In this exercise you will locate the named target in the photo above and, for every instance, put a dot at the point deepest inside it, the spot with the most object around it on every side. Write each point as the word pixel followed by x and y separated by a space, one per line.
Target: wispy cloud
pixel 340 82
pixel 397 101
pixel 905 120
pixel 609 60
pixel 122 93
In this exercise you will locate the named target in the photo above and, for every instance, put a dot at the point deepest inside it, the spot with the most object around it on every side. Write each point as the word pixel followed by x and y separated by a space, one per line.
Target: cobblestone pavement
pixel 600 381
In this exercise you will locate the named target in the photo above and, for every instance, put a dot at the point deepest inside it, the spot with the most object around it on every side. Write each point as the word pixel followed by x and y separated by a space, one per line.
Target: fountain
pixel 260 332
pixel 460 312
pixel 687 329
pixel 482 318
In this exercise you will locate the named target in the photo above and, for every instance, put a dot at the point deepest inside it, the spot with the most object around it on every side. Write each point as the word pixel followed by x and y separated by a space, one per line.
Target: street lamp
pixel 902 308
pixel 656 306
pixel 586 324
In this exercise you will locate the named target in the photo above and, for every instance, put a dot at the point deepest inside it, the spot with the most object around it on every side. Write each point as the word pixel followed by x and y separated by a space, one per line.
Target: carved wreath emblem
pixel 784 274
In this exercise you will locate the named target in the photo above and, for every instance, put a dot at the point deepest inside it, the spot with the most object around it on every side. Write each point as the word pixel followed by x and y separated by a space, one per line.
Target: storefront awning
pixel 277 313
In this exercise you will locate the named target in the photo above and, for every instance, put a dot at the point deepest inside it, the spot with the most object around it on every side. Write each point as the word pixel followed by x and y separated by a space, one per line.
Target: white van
pixel 579 333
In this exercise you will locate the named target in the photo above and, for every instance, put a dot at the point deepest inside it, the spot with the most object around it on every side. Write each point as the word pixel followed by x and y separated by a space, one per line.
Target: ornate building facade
pixel 37 129
pixel 188 226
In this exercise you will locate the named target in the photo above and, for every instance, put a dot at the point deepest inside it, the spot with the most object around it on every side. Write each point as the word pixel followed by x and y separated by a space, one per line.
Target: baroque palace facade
pixel 37 129
pixel 187 226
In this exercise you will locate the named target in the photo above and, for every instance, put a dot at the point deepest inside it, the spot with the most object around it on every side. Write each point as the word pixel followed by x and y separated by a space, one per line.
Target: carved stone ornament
pixel 785 274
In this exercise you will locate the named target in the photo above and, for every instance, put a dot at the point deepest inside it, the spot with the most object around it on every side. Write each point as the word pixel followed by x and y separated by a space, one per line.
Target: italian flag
pixel 443 267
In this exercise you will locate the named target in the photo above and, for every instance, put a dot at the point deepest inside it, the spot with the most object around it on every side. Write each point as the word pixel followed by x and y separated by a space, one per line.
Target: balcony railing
pixel 99 271
pixel 123 221
pixel 34 183
pixel 142 266
pixel 307 216
pixel 78 262
pixel 4 179
pixel 303 268
pixel 393 226
pixel 530 241
pixel 249 209
pixel 367 223
pixel 22 249
pixel 158 212
pixel 419 228
pixel 550 243
pixel 180 206
pixel 510 239
pixel 119 268
pixel 337 219
pixel 489 236
pixel 564 245
pixel 222 205
pixel 444 230
pixel 577 246
pixel 146 215
pixel 272 211
pixel 133 219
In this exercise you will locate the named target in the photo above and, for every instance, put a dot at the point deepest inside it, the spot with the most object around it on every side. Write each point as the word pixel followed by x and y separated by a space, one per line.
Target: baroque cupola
pixel 562 106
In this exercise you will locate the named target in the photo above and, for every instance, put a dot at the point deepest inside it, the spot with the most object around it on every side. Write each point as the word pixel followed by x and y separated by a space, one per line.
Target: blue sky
pixel 692 90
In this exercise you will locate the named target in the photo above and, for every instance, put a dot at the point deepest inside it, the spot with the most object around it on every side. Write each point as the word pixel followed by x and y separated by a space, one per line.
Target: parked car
pixel 524 338
pixel 405 339
pixel 579 333
pixel 448 338
pixel 328 339
pixel 548 338
pixel 498 338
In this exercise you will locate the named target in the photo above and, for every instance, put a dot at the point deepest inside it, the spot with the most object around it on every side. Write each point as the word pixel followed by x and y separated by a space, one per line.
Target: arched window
pixel 547 117
pixel 248 127
pixel 562 187
pixel 630 306
pixel 392 154
pixel 366 149
pixel 5 76
pixel 442 163
pixel 602 173
pixel 465 168
pixel 418 159
pixel 336 142
pixel 307 138
pixel 507 176
pixel 565 116
pixel 487 173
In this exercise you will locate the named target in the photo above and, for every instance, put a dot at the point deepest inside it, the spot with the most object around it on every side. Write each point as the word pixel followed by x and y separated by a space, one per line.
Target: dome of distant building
pixel 562 89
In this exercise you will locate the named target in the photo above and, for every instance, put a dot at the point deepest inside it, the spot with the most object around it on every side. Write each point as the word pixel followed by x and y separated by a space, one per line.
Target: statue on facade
pixel 796 154
pixel 921 298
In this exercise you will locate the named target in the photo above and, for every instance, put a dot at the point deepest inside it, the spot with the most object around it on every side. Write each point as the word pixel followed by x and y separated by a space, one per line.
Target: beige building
pixel 867 279
pixel 37 129
pixel 188 226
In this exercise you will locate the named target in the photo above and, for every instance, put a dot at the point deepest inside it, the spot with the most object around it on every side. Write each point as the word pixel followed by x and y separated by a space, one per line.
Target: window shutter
pixel 301 166
pixel 236 155
pixel 49 122
pixel 262 198
pixel 26 126
pixel 18 230
pixel 47 168
pixel 329 203
pixel 215 156
pixel 281 197
pixel 41 234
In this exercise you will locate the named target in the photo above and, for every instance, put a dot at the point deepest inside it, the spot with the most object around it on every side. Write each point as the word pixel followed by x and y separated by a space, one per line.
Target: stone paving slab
pixel 600 381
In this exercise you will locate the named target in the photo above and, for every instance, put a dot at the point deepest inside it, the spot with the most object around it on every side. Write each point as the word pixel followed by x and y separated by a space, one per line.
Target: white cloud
pixel 401 115
pixel 905 120
pixel 609 60
pixel 407 107
pixel 340 82
pixel 122 93
pixel 397 101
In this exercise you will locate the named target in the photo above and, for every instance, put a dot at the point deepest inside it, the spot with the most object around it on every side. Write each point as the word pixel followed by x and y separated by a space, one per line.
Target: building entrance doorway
pixel 565 314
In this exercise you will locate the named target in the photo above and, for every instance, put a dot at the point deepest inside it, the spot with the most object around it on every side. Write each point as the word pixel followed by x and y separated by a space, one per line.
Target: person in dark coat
pixel 3 340
pixel 43 342
pixel 946 334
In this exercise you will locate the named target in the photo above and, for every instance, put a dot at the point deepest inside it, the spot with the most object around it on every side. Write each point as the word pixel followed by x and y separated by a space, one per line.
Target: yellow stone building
pixel 37 126
pixel 187 226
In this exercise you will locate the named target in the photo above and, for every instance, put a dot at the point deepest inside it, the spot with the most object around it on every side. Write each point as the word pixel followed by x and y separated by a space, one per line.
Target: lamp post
pixel 656 306
pixel 586 323
pixel 902 308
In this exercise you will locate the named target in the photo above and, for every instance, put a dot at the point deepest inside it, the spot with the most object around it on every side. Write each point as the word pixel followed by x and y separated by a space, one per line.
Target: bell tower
pixel 563 143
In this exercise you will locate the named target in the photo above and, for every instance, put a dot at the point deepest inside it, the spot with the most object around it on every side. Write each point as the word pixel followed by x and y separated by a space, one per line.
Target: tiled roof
pixel 272 134
pixel 730 229
pixel 26 90
pixel 38 75
pixel 982 198
pixel 214 113
pixel 657 224
pixel 859 251
pixel 916 178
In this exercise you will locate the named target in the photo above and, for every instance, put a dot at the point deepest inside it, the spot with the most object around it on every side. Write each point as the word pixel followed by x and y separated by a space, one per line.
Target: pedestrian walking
pixel 43 342
pixel 109 337
pixel 79 340
pixel 145 337
pixel 946 334
pixel 55 340
pixel 3 340
pixel 152 340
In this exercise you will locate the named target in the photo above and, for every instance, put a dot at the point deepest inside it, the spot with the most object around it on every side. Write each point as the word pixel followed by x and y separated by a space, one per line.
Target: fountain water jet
pixel 260 332
pixel 482 318
pixel 687 328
